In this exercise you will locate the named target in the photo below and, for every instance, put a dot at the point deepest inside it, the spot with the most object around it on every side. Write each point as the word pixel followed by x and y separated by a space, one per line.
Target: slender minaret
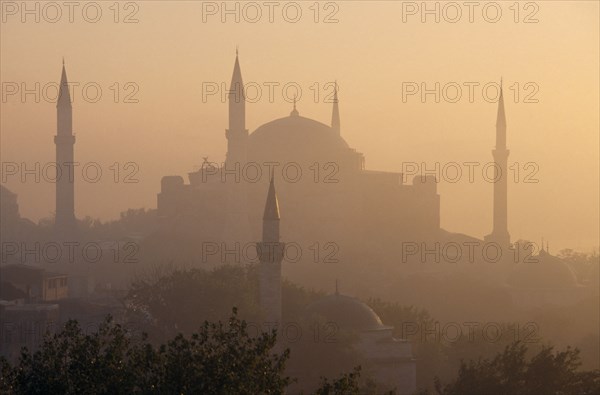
pixel 237 134
pixel 335 115
pixel 65 223
pixel 237 228
pixel 271 254
pixel 500 153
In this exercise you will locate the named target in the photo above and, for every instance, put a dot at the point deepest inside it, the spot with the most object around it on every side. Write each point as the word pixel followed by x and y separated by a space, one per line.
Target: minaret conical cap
pixel 236 77
pixel 501 117
pixel 335 114
pixel 272 205
pixel 64 96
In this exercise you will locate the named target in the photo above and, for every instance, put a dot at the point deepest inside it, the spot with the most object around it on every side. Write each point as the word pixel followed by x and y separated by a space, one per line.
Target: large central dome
pixel 295 138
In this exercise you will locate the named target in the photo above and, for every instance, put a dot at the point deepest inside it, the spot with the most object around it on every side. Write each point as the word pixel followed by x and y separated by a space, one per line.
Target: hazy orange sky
pixel 171 51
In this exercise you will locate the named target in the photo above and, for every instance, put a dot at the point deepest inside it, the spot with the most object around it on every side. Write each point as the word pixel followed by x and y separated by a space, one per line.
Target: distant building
pixel 38 284
pixel 10 293
pixel 26 311
pixel 389 361
pixel 10 219
pixel 9 209
pixel 13 228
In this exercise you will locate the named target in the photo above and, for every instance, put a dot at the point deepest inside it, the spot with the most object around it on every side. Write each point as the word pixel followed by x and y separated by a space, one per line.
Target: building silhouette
pixel 328 192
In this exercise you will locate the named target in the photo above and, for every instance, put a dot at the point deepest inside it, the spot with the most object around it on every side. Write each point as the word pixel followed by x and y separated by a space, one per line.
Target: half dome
pixel 549 272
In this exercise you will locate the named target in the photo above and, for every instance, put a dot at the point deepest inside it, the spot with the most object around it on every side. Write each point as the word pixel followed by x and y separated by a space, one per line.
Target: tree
pixel 509 372
pixel 182 300
pixel 218 359
pixel 72 362
pixel 221 358
pixel 347 384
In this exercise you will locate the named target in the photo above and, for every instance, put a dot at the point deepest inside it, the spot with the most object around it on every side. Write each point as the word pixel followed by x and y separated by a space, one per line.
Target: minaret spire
pixel 65 223
pixel 501 121
pixel 271 254
pixel 237 98
pixel 271 232
pixel 64 96
pixel 335 115
pixel 237 227
pixel 500 233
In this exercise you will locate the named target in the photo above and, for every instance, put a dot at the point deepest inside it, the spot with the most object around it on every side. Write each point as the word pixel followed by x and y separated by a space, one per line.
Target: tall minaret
pixel 65 223
pixel 237 228
pixel 335 115
pixel 237 134
pixel 500 153
pixel 271 254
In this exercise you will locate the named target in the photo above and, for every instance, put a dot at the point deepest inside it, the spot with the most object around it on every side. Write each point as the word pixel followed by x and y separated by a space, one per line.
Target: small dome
pixel 548 272
pixel 347 312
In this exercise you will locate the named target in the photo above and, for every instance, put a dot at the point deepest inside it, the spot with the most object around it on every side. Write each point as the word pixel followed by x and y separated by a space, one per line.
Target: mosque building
pixel 325 188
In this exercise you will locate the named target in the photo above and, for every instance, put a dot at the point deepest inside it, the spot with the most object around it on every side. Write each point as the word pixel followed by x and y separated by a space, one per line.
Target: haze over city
pixel 168 56
pixel 300 197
